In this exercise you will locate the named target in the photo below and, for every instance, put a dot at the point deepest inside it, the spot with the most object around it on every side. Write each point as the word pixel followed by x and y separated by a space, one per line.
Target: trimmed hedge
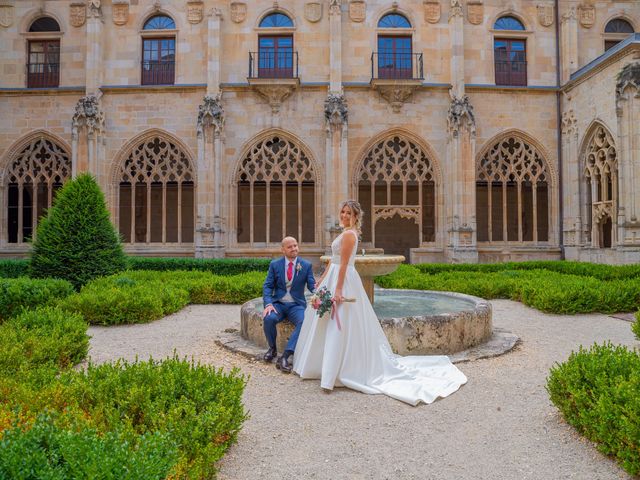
pixel 44 336
pixel 635 327
pixel 76 241
pixel 14 268
pixel 217 266
pixel 597 392
pixel 17 294
pixel 582 269
pixel 118 300
pixel 47 451
pixel 544 290
pixel 144 296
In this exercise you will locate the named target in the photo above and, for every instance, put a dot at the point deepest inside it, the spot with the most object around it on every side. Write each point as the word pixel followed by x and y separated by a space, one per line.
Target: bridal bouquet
pixel 322 301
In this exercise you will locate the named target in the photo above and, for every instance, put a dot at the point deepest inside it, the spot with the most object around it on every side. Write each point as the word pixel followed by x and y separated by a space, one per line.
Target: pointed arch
pixel 515 190
pixel 397 176
pixel 275 180
pixel 599 175
pixel 153 179
pixel 31 171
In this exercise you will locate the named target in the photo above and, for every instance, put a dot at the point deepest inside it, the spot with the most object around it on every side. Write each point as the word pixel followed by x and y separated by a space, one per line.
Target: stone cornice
pixel 153 88
pixel 18 92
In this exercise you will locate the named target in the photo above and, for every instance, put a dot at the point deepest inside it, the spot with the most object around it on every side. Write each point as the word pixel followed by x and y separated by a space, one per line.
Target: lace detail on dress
pixel 336 247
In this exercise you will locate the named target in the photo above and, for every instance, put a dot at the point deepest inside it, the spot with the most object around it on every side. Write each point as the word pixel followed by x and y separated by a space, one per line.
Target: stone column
pixel 214 45
pixel 209 241
pixel 572 200
pixel 569 45
pixel 456 35
pixel 628 149
pixel 459 169
pixel 460 183
pixel 336 175
pixel 336 181
pixel 94 48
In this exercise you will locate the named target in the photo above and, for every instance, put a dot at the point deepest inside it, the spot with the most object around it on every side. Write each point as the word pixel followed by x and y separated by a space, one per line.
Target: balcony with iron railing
pixel 396 76
pixel 511 73
pixel 158 72
pixel 273 74
pixel 43 75
pixel 273 64
pixel 396 66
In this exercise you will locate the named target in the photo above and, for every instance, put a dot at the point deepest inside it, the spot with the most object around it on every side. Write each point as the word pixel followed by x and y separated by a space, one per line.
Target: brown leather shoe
pixel 270 355
pixel 284 365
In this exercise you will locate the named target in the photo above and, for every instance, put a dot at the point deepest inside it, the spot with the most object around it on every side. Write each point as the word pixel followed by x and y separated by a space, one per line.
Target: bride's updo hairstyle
pixel 356 212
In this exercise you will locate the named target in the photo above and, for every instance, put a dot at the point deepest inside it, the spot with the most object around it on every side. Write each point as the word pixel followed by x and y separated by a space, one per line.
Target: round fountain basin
pixel 415 322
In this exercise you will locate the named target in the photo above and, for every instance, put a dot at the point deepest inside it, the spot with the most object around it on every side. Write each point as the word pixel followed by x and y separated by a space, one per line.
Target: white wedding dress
pixel 358 355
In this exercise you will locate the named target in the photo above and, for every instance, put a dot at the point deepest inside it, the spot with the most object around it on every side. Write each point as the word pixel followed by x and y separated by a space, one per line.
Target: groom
pixel 283 296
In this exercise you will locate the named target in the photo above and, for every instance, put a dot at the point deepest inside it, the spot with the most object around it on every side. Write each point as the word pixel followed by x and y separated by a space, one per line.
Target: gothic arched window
pixel 397 190
pixel 512 193
pixel 601 174
pixel 43 69
pixel 395 58
pixel 275 57
pixel 276 185
pixel 510 54
pixel 157 194
pixel 158 51
pixel 33 177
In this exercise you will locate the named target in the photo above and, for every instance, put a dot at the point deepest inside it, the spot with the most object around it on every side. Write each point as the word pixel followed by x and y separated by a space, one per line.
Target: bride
pixel 355 352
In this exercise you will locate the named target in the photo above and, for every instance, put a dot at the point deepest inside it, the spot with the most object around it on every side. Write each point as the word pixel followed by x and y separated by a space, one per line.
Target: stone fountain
pixel 416 322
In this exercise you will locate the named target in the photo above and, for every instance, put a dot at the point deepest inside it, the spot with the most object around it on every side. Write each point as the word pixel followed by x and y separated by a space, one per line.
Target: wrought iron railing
pixel 273 64
pixel 43 75
pixel 395 65
pixel 511 73
pixel 158 72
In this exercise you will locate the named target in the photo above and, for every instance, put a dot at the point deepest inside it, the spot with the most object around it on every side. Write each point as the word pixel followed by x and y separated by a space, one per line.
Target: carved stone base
pixel 274 91
pixel 210 251
pixel 396 92
pixel 462 255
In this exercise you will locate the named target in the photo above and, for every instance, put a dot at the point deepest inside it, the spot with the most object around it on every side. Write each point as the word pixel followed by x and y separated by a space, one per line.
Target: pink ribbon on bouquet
pixel 334 313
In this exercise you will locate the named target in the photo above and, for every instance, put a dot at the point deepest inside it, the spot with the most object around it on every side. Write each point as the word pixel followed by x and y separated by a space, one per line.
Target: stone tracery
pixel 33 176
pixel 275 180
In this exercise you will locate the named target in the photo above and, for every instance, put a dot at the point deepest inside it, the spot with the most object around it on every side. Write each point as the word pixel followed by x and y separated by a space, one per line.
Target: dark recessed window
pixel 160 22
pixel 510 57
pixel 618 25
pixel 276 20
pixel 44 24
pixel 158 61
pixel 394 20
pixel 43 69
pixel 508 23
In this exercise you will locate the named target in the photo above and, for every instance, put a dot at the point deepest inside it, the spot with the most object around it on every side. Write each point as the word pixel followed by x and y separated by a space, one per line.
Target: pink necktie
pixel 290 271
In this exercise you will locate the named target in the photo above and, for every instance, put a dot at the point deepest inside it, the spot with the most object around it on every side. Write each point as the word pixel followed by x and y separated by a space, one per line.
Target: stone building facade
pixel 470 130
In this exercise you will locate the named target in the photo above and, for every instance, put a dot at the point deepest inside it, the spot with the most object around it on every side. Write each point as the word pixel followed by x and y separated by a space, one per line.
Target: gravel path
pixel 500 425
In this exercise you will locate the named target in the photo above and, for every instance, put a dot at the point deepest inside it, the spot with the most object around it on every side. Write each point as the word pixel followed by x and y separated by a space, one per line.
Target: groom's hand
pixel 268 309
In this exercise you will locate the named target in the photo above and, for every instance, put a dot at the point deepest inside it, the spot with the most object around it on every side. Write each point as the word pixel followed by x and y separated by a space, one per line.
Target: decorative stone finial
pixel 335 109
pixel 460 115
pixel 95 10
pixel 88 114
pixel 210 113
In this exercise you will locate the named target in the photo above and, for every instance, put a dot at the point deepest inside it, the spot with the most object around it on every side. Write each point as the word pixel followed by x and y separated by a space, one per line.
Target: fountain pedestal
pixel 371 266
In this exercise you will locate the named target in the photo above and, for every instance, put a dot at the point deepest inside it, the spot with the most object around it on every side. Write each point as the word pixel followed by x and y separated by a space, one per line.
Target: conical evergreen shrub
pixel 76 241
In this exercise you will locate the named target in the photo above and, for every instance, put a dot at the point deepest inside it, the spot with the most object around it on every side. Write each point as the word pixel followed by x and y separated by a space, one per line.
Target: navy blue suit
pixel 275 287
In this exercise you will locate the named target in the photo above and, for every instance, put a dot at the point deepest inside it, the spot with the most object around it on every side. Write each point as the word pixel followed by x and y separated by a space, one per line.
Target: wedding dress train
pixel 358 354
